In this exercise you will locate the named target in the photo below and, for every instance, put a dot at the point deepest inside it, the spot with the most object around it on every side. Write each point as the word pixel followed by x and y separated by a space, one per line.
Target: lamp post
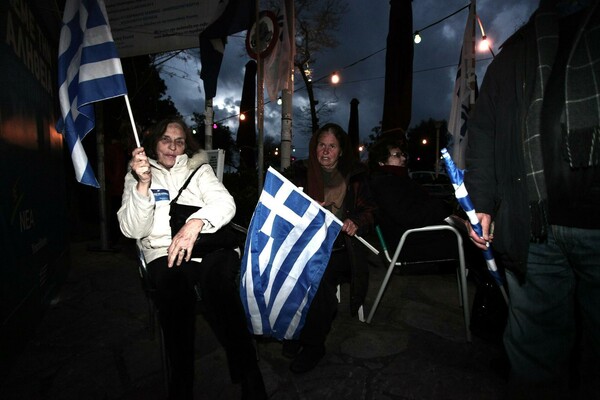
pixel 438 125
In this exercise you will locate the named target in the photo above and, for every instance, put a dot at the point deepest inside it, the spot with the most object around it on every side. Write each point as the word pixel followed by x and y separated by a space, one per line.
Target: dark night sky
pixel 363 32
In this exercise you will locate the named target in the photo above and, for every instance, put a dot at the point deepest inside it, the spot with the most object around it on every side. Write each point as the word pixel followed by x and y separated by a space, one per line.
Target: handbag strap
pixel 186 183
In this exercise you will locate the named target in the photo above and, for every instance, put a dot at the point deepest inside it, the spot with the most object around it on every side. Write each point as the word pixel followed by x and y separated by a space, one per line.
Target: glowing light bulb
pixel 242 117
pixel 417 37
pixel 335 78
pixel 484 44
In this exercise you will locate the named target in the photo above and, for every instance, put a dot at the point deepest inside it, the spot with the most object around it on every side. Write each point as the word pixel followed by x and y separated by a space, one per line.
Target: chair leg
pixel 164 360
pixel 459 285
pixel 463 290
pixel 151 317
pixel 361 314
pixel 381 290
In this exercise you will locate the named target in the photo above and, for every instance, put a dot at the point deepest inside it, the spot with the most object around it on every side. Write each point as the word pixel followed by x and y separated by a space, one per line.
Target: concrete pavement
pixel 95 343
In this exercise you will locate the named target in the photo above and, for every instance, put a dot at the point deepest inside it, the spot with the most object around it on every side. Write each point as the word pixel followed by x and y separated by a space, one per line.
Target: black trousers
pixel 323 308
pixel 175 298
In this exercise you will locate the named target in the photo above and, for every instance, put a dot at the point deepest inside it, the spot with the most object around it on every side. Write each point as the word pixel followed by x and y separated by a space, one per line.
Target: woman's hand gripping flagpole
pixel 456 176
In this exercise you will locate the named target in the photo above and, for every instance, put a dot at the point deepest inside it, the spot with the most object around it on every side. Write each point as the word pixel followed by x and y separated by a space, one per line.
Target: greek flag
pixel 89 70
pixel 456 176
pixel 287 249
pixel 464 94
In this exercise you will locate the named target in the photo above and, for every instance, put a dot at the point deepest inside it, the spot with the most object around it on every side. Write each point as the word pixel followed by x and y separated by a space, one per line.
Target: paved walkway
pixel 94 343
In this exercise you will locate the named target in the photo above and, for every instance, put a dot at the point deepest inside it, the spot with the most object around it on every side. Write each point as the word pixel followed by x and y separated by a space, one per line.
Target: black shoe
pixel 290 348
pixel 253 386
pixel 307 359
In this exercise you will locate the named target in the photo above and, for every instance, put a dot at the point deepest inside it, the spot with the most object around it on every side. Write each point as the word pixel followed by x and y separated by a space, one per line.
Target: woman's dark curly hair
pixel 380 150
pixel 159 129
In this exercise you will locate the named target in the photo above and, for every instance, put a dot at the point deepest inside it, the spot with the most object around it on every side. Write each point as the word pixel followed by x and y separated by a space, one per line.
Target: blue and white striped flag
pixel 89 70
pixel 456 176
pixel 464 94
pixel 287 249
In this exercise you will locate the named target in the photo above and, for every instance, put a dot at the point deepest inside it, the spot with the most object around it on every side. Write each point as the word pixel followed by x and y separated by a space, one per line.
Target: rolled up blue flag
pixel 456 176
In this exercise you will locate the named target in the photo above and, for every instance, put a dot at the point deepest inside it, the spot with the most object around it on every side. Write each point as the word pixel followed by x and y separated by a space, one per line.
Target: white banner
pixel 154 26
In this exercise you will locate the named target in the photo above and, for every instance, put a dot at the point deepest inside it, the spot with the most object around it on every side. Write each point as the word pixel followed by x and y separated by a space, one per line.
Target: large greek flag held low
pixel 89 70
pixel 287 249
pixel 456 176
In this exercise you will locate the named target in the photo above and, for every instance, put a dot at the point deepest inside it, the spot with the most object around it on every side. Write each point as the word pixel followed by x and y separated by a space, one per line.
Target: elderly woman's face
pixel 328 150
pixel 170 145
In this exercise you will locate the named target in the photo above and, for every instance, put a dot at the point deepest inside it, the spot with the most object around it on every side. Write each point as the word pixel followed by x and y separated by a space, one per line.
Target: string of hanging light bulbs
pixel 334 77
pixel 417 34
pixel 484 44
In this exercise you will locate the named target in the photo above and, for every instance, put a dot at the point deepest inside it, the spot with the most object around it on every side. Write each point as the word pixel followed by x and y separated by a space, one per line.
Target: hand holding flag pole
pixel 89 71
pixel 456 176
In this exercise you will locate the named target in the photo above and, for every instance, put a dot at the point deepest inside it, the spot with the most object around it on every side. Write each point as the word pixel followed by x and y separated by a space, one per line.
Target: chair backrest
pixel 217 162
pixel 426 259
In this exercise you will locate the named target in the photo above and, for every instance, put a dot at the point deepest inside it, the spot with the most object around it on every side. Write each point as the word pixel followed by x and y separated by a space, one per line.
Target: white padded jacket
pixel 147 218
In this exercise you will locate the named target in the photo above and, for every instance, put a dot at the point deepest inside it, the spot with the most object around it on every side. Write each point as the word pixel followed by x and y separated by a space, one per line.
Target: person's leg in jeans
pixel 541 329
pixel 583 249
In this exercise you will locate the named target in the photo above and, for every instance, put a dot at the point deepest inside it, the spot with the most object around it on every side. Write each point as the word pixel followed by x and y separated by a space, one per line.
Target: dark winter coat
pixel 495 172
pixel 495 167
pixel 403 204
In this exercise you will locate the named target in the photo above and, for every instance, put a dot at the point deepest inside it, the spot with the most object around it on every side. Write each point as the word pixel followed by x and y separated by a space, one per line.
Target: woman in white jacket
pixel 158 171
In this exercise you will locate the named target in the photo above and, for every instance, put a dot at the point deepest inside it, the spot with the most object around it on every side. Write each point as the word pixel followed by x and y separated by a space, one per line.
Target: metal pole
pixel 208 124
pixel 438 124
pixel 286 128
pixel 260 101
pixel 101 177
pixel 286 94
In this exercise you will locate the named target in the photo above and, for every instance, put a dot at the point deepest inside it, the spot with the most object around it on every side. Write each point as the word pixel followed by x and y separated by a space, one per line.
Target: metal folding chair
pixel 396 261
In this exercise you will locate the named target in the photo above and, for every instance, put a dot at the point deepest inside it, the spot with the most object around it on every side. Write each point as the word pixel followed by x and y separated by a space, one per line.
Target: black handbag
pixel 224 238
